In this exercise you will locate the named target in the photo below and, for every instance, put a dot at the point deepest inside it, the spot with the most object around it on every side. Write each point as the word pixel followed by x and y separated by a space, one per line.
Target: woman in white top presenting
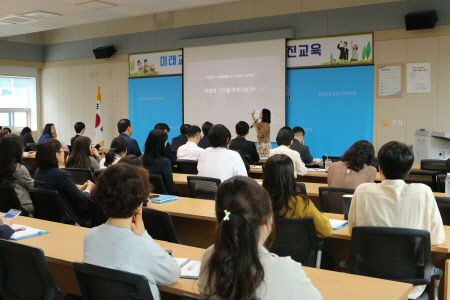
pixel 238 266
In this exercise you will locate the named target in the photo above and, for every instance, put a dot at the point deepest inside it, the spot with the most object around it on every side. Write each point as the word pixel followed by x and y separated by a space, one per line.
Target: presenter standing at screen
pixel 262 127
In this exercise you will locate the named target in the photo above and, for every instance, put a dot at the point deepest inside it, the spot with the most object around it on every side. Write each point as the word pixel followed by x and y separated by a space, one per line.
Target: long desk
pixel 195 223
pixel 63 245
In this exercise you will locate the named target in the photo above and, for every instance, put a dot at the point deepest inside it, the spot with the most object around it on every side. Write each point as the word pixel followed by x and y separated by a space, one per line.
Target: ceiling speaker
pixel 421 20
pixel 104 52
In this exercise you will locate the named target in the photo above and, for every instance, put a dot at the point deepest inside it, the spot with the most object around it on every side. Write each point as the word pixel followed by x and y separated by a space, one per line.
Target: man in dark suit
pixel 204 141
pixel 181 139
pixel 125 131
pixel 298 144
pixel 241 145
pixel 343 51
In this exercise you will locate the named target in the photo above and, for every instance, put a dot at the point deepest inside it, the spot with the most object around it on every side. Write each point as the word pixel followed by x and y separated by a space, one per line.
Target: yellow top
pixel 262 132
pixel 297 208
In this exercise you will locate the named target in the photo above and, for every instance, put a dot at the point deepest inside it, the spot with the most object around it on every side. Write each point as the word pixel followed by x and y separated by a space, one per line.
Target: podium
pixel 431 145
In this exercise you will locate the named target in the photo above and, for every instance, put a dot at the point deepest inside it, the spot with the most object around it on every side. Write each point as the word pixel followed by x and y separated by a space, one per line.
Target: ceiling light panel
pixel 41 14
pixel 17 19
pixel 96 4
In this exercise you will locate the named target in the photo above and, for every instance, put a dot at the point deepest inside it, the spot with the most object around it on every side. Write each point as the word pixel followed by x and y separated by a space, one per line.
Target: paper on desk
pixel 189 268
pixel 22 232
pixel 316 170
pixel 255 167
pixel 337 224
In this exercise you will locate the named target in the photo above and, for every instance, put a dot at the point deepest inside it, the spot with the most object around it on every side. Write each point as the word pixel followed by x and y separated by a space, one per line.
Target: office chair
pixel 187 166
pixel 331 199
pixel 159 225
pixel 47 206
pixel 25 274
pixel 203 187
pixel 80 176
pixel 9 199
pixel 98 283
pixel 300 188
pixel 392 253
pixel 443 204
pixel 158 184
pixel 297 238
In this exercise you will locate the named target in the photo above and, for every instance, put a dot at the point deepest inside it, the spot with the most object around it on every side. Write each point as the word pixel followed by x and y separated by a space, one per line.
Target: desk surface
pixel 64 245
pixel 205 210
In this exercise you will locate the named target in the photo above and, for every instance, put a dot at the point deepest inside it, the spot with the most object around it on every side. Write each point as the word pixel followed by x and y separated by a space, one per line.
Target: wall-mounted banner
pixel 333 51
pixel 156 63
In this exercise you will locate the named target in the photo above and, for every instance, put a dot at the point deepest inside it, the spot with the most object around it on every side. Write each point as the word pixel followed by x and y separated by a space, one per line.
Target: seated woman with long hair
pixel 12 171
pixel 279 181
pixel 357 166
pixel 122 243
pixel 49 176
pixel 155 160
pixel 117 150
pixel 238 266
pixel 82 155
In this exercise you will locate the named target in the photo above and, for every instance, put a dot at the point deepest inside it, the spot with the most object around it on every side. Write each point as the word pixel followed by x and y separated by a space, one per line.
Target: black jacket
pixel 61 181
pixel 245 147
pixel 204 142
pixel 303 150
pixel 163 167
pixel 177 142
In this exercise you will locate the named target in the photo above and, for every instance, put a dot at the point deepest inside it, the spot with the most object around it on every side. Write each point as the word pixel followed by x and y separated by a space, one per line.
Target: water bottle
pixel 447 185
pixel 327 163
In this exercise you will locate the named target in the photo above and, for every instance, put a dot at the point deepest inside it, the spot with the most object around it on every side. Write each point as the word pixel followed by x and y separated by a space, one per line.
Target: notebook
pixel 189 268
pixel 163 199
pixel 23 232
pixel 337 224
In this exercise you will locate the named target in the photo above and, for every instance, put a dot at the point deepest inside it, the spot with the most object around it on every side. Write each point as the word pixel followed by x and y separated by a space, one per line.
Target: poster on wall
pixel 160 63
pixel 419 78
pixel 346 50
pixel 390 80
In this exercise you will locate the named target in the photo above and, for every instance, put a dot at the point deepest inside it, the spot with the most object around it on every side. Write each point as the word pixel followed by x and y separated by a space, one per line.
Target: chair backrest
pixel 97 173
pixel 96 214
pixel 296 238
pixel 47 206
pixel 203 187
pixel 400 254
pixel 331 199
pixel 433 165
pixel 25 274
pixel 98 283
pixel 189 297
pixel 332 158
pixel 80 176
pixel 8 199
pixel 300 187
pixel 443 204
pixel 187 166
pixel 158 184
pixel 159 225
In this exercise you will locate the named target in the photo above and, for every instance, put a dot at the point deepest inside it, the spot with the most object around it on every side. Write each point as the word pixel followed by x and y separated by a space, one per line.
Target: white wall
pixel 69 95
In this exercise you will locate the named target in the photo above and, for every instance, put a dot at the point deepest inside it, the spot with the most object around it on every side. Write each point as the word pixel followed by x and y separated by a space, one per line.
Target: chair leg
pixel 436 288
pixel 318 258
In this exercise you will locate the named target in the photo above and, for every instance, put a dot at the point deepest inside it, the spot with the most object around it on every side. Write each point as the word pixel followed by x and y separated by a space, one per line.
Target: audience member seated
pixel 217 161
pixel 49 132
pixel 50 176
pixel 12 171
pixel 26 138
pixel 156 162
pixel 80 128
pixel 279 181
pixel 131 160
pixel 204 141
pixel 394 203
pixel 191 150
pixel 125 131
pixel 164 127
pixel 83 155
pixel 238 265
pixel 5 228
pixel 284 141
pixel 181 139
pixel 356 167
pixel 7 130
pixel 298 144
pixel 241 145
pixel 117 150
pixel 122 243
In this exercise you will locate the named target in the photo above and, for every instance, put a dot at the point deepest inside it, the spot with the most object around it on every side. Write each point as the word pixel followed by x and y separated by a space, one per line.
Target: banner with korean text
pixel 333 51
pixel 161 63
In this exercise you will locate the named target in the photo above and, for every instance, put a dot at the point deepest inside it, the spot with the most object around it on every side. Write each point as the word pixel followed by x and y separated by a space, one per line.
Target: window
pixel 18 102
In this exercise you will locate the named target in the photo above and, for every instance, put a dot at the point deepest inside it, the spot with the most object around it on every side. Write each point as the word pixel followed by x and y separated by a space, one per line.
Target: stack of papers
pixel 337 224
pixel 255 167
pixel 23 232
pixel 189 268
pixel 316 170
pixel 163 199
